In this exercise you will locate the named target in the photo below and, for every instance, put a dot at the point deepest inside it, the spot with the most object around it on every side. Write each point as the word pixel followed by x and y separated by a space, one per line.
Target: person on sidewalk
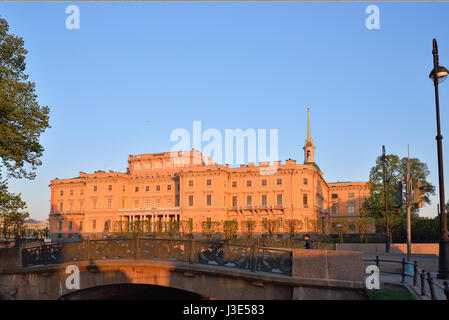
pixel 308 244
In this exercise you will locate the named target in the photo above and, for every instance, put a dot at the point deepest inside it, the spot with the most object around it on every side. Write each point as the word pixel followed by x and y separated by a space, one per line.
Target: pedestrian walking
pixel 308 244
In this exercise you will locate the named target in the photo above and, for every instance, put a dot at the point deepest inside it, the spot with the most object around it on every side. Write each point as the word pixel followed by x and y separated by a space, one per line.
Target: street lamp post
pixel 439 74
pixel 340 232
pixel 407 208
pixel 387 228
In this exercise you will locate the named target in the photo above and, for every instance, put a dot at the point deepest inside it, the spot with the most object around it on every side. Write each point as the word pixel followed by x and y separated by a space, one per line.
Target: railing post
pixel 253 257
pixel 44 253
pixel 191 251
pixel 431 286
pixel 137 248
pixel 423 283
pixel 88 249
pixel 403 270
pixel 415 273
pixel 377 260
pixel 446 289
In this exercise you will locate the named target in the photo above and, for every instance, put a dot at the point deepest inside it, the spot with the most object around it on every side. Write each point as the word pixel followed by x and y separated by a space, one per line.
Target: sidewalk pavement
pixel 427 262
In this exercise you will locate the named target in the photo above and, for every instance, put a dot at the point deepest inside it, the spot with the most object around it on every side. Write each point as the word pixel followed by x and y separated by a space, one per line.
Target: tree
pixel 270 226
pixel 374 206
pixel 209 228
pixel 248 227
pixel 418 171
pixel 317 227
pixel 424 229
pixel 364 226
pixel 12 212
pixel 22 119
pixel 230 228
pixel 396 170
pixel 187 227
pixel 293 226
pixel 172 228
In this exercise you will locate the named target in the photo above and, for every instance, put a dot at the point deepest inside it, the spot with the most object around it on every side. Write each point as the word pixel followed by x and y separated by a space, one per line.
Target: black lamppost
pixel 387 228
pixel 438 75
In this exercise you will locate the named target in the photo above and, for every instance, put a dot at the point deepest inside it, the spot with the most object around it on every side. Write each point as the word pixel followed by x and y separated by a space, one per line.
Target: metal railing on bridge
pixel 425 277
pixel 191 251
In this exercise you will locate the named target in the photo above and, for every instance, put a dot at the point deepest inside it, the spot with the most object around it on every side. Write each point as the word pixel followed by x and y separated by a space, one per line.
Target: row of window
pixel 81 206
pixel 248 182
pixel 350 207
pixel 208 183
pixel 70 225
pixel 109 204
pixel 335 195
pixel 249 200
pixel 147 188
pixel 107 225
pixel 263 182
pixel 147 203
pixel 71 192
pixel 263 200
pixel 95 189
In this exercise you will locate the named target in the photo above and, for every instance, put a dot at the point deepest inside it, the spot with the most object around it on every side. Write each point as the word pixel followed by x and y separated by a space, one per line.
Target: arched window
pixel 107 225
pixel 308 155
pixel 350 207
pixel 334 208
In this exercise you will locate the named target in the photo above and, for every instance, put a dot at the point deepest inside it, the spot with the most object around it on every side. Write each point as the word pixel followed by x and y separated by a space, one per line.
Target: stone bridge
pixel 199 269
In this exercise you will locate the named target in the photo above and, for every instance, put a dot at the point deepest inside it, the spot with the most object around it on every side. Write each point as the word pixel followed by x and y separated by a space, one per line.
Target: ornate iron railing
pixel 33 256
pixel 274 260
pixel 223 254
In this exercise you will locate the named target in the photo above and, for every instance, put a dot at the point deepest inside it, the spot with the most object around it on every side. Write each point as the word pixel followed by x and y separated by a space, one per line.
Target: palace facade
pixel 181 186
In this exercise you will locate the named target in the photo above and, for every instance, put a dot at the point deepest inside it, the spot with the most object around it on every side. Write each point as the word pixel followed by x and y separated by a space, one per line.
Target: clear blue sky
pixel 134 72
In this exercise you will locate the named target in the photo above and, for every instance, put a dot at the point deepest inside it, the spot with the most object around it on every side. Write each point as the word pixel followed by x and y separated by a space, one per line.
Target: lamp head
pixel 441 73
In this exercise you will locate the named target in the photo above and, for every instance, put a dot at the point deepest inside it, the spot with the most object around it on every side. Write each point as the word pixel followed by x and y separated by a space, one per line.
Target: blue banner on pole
pixel 409 270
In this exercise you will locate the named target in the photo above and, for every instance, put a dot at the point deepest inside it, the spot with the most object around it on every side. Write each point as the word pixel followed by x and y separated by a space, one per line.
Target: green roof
pixel 314 164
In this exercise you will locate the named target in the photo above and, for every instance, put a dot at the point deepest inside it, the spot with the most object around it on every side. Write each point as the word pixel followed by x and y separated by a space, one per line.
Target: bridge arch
pixel 132 291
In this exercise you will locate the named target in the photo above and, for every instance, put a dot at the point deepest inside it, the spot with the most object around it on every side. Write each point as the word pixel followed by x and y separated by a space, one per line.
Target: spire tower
pixel 309 148
pixel 309 140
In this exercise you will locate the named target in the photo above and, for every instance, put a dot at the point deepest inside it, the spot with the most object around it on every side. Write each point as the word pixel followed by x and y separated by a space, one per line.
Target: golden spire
pixel 309 140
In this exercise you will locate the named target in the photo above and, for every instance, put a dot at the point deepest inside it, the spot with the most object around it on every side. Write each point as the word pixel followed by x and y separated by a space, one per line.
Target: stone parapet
pixel 417 248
